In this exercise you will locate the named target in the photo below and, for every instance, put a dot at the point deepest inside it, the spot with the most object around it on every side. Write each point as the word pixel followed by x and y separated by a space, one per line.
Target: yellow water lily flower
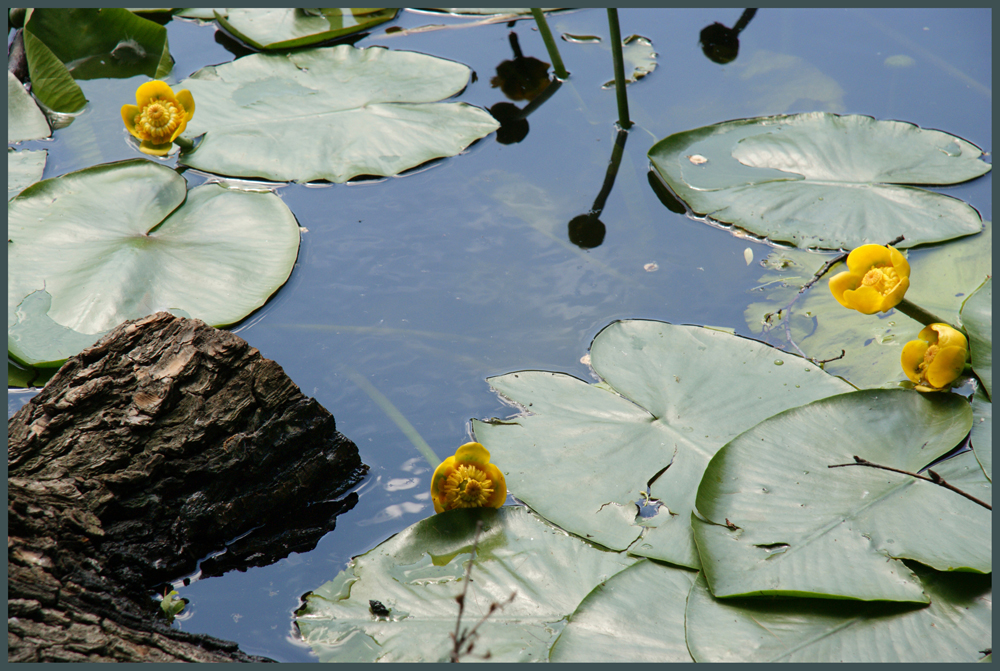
pixel 468 480
pixel 159 117
pixel 875 281
pixel 935 360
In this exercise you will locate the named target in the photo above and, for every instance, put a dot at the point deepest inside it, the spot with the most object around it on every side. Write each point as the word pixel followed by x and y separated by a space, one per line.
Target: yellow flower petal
pixel 468 480
pixel 946 366
pixel 159 117
pixel 865 300
pixel 876 280
pixel 840 283
pixel 911 358
pixel 865 257
pixel 185 98
pixel 937 359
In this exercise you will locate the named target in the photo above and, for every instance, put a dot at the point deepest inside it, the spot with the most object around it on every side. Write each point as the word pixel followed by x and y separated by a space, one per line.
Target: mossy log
pixel 157 446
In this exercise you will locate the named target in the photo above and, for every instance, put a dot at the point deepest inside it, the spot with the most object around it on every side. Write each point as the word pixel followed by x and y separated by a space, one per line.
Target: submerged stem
pixel 550 43
pixel 616 52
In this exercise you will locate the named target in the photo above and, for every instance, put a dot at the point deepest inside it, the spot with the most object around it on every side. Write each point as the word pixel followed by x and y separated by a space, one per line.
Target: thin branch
pixel 934 478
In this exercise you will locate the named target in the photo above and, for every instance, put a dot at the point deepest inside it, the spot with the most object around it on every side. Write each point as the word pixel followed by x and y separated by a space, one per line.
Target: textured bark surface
pixel 160 444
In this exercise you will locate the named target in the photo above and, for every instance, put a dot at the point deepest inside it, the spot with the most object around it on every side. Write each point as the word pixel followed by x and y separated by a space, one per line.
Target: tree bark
pixel 162 443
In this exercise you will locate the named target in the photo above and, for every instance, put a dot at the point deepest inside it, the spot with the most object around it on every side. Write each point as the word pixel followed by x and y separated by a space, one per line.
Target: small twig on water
pixel 465 640
pixel 934 478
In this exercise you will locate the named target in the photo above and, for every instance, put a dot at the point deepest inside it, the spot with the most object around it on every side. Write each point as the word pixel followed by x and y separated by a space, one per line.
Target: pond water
pixel 424 285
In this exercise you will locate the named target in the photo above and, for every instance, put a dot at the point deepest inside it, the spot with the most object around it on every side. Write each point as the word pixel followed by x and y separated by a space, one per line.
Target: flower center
pixel 882 280
pixel 158 120
pixel 467 487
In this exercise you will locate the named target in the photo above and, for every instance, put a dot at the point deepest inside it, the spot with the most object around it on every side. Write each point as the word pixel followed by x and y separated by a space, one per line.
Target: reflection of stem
pixel 397 417
pixel 550 43
pixel 744 19
pixel 609 177
pixel 539 99
pixel 616 52
pixel 935 478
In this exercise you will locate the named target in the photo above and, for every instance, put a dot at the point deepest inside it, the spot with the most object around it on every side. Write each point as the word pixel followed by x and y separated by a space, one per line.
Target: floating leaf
pixel 941 278
pixel 639 57
pixel 797 527
pixel 290 28
pixel 823 180
pixel 982 432
pixel 636 616
pixel 24 120
pixel 417 574
pixel 24 168
pixel 977 317
pixel 955 627
pixel 123 240
pixel 332 113
pixel 50 79
pixel 670 397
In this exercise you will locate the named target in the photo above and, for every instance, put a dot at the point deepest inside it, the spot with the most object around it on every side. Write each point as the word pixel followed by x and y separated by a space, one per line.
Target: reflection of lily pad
pixel 797 527
pixel 639 57
pixel 977 317
pixel 955 627
pixel 289 28
pixel 24 120
pixel 332 113
pixel 123 240
pixel 23 169
pixel 941 277
pixel 671 396
pixel 417 574
pixel 823 180
pixel 80 43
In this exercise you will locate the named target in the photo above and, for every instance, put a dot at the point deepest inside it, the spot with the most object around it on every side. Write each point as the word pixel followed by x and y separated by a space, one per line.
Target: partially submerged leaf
pixel 24 120
pixel 977 317
pixel 671 396
pixel 288 28
pixel 639 57
pixel 780 521
pixel 823 180
pixel 417 574
pixel 24 168
pixel 982 432
pixel 955 627
pixel 123 240
pixel 333 113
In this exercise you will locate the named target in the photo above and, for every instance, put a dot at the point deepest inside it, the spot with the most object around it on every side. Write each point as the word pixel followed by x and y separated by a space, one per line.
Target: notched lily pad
pixel 288 28
pixel 330 114
pixel 823 180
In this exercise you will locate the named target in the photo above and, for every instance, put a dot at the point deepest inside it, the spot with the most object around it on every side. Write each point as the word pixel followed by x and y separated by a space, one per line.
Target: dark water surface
pixel 428 283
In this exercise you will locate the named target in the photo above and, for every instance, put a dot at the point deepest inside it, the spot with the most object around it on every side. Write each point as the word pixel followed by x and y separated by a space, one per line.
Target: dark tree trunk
pixel 146 452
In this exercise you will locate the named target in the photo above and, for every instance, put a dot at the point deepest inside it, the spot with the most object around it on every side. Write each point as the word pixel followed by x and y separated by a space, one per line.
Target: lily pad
pixel 416 576
pixel 780 521
pixel 942 277
pixel 823 180
pixel 24 168
pixel 982 432
pixel 123 240
pixel 636 616
pixel 977 317
pixel 583 455
pixel 955 627
pixel 333 113
pixel 50 80
pixel 289 28
pixel 24 120
pixel 639 57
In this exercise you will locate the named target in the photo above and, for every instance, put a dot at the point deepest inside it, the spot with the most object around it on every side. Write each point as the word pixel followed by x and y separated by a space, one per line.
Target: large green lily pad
pixel 955 627
pixel 418 573
pixel 977 317
pixel 583 455
pixel 288 28
pixel 24 120
pixel 823 180
pixel 333 113
pixel 24 168
pixel 91 249
pixel 798 527
pixel 982 432
pixel 636 616
pixel 941 278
